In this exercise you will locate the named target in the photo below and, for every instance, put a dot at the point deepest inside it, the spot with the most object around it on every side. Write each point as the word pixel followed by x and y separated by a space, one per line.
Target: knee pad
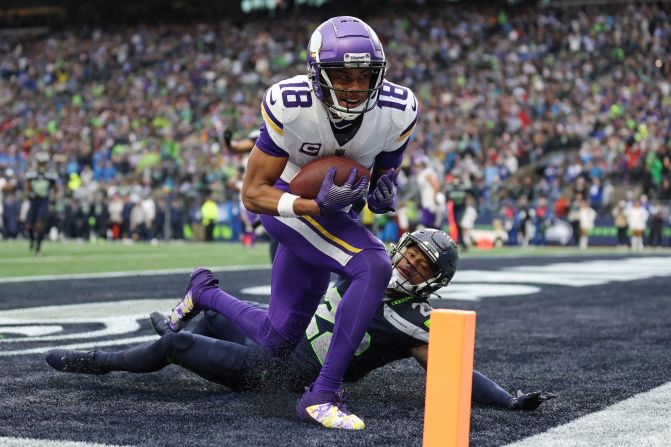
pixel 180 341
pixel 372 263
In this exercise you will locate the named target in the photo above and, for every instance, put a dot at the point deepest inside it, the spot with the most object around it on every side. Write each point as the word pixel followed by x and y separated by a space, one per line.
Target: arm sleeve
pixel 268 145
pixel 487 392
pixel 271 135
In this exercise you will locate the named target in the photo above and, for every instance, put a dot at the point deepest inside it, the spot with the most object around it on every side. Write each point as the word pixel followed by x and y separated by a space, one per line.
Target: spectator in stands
pixel 586 217
pixel 656 224
pixel 177 219
pixel 592 86
pixel 637 217
pixel 574 218
pixel 526 228
pixel 429 188
pixel 158 232
pixel 10 216
pixel 621 224
pixel 468 221
pixel 210 217
pixel 115 211
pixel 137 221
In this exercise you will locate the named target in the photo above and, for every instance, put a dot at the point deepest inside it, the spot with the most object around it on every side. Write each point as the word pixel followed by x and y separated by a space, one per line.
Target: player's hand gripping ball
pixel 308 182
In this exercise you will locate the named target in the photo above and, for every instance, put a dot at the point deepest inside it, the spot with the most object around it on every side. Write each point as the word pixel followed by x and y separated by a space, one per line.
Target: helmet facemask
pixel 330 93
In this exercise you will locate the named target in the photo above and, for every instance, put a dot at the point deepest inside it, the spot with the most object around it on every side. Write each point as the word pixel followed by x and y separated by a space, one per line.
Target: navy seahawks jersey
pixel 399 324
pixel 40 183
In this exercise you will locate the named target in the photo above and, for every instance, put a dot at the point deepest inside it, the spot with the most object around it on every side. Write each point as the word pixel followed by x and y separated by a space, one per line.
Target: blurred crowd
pixel 524 116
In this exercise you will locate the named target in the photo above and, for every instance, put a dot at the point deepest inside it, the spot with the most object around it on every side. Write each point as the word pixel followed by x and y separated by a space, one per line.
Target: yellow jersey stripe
pixel 330 236
pixel 406 134
pixel 270 122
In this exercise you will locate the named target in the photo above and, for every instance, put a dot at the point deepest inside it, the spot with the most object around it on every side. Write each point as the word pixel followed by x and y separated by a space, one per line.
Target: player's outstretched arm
pixel 530 401
pixel 258 193
pixel 487 392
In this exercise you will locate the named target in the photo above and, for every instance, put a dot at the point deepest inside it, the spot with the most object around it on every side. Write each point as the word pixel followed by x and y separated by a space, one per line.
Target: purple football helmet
pixel 345 42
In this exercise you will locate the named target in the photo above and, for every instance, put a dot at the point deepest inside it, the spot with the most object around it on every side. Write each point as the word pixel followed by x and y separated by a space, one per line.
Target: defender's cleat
pixel 75 362
pixel 187 307
pixel 160 324
pixel 327 410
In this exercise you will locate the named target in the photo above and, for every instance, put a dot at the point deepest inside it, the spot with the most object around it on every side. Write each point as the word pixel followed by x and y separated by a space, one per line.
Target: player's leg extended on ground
pixel 215 325
pixel 216 360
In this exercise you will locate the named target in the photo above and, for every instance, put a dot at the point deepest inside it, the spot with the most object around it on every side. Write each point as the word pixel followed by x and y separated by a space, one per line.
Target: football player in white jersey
pixel 344 106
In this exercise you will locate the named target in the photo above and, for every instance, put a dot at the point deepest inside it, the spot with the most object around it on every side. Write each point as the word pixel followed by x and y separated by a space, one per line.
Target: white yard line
pixel 82 346
pixel 641 420
pixel 130 273
pixel 27 442
pixel 65 258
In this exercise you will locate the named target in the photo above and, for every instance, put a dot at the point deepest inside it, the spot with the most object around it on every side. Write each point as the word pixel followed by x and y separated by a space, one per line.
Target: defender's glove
pixel 332 197
pixel 529 401
pixel 382 197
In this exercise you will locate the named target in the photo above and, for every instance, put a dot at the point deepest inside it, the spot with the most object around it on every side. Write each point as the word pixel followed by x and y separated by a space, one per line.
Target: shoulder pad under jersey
pixel 282 102
pixel 404 110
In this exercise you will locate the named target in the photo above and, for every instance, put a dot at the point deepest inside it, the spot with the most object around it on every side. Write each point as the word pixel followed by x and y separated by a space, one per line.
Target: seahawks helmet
pixel 439 248
pixel 42 159
pixel 345 42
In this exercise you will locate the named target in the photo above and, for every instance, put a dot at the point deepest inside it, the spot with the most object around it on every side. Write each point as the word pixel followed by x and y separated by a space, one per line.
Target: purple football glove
pixel 332 197
pixel 382 198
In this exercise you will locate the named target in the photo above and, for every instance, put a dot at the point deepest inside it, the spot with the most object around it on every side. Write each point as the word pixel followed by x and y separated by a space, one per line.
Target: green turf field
pixel 72 257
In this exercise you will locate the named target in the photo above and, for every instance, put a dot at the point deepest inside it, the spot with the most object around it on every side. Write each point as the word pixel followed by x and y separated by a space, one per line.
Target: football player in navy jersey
pixel 343 106
pixel 424 261
pixel 39 184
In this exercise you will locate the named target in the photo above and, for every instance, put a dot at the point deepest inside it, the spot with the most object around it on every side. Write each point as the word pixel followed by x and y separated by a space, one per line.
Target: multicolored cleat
pixel 187 307
pixel 182 312
pixel 327 410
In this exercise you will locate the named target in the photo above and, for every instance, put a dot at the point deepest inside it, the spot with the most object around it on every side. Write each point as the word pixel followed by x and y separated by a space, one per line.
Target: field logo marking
pixel 65 326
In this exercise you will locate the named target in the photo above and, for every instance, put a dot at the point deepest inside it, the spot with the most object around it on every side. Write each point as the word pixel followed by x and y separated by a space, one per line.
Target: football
pixel 309 179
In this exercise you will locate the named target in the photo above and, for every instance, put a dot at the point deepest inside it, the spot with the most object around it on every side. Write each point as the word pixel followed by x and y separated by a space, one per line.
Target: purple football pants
pixel 310 249
pixel 428 218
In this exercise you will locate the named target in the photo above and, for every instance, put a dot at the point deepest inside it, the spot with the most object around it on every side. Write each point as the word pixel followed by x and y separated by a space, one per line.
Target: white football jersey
pixel 298 124
pixel 426 192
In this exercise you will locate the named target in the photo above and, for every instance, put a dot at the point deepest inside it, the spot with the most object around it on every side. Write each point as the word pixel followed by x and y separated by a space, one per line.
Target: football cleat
pixel 327 410
pixel 159 323
pixel 182 312
pixel 82 362
pixel 187 307
pixel 529 401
